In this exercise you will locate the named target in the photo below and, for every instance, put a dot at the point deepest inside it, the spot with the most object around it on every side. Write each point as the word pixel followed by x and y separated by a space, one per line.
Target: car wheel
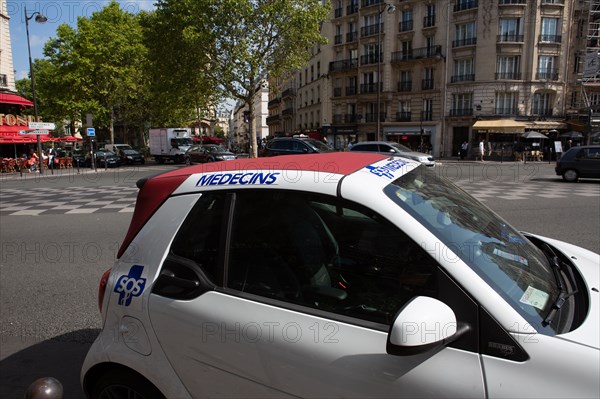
pixel 570 175
pixel 210 159
pixel 119 384
pixel 188 161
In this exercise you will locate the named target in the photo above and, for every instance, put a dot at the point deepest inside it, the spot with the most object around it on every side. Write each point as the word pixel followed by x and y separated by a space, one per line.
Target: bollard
pixel 45 388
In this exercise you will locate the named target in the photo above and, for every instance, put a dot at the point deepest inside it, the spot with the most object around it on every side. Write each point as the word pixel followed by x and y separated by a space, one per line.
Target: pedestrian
pixel 32 162
pixel 481 149
pixel 464 148
pixel 351 144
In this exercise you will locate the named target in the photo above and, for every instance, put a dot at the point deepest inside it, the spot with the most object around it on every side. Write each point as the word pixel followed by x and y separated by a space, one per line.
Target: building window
pixel 510 30
pixel 427 83
pixel 508 68
pixel 429 19
pixel 546 68
pixel 550 30
pixel 427 113
pixel 464 70
pixel 405 83
pixel 462 104
pixel 541 104
pixel 404 114
pixel 465 35
pixel 507 103
pixel 406 24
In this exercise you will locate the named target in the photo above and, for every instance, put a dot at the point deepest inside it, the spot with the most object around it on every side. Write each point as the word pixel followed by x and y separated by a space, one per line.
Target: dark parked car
pixel 107 159
pixel 295 145
pixel 79 159
pixel 392 148
pixel 130 157
pixel 207 153
pixel 583 161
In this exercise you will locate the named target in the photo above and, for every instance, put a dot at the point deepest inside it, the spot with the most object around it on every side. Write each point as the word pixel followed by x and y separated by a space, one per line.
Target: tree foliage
pixel 234 45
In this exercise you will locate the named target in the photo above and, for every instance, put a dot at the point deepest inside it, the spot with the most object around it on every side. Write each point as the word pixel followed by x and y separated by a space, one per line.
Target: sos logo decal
pixel 130 285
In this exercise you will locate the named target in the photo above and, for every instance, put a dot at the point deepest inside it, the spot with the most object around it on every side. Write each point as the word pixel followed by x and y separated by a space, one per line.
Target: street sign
pixel 42 125
pixel 39 132
pixel 91 131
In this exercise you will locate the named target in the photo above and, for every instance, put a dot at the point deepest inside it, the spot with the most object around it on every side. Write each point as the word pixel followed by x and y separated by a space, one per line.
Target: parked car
pixel 392 148
pixel 338 275
pixel 582 161
pixel 130 157
pixel 295 145
pixel 207 153
pixel 79 159
pixel 106 158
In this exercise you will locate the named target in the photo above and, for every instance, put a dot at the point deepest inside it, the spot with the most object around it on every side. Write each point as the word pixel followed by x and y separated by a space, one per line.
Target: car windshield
pixel 130 152
pixel 401 148
pixel 214 148
pixel 498 253
pixel 319 145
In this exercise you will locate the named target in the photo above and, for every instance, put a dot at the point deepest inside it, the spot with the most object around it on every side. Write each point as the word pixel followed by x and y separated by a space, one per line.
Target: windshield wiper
pixel 555 263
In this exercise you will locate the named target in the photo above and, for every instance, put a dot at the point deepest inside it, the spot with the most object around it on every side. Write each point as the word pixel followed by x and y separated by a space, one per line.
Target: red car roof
pixel 155 190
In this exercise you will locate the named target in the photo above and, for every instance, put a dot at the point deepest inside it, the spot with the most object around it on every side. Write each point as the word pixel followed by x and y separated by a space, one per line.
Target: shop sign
pixel 16 120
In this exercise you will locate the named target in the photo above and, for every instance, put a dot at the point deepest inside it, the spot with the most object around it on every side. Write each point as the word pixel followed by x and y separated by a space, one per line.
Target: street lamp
pixel 41 19
pixel 390 9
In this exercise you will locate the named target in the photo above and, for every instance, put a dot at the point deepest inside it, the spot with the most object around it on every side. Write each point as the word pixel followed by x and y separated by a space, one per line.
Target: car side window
pixel 325 253
pixel 199 237
pixel 592 153
pixel 366 147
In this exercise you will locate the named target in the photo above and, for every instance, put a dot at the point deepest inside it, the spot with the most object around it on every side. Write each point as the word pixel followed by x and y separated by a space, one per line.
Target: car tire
pixel 210 159
pixel 570 175
pixel 188 161
pixel 124 384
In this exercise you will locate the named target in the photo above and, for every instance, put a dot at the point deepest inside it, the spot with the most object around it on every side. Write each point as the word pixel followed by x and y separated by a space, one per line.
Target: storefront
pixel 411 136
pixel 499 137
pixel 340 136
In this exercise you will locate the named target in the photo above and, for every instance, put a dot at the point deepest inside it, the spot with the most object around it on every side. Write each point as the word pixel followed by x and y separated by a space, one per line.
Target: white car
pixel 338 275
pixel 392 148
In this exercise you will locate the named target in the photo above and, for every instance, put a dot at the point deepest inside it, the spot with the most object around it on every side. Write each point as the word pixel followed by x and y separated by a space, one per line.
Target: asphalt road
pixel 50 264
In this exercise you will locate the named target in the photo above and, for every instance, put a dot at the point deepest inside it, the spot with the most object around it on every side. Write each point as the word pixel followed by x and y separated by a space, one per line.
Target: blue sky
pixel 57 12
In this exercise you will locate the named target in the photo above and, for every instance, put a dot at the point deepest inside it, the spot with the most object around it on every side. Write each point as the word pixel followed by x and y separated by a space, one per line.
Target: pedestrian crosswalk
pixel 70 200
pixel 121 199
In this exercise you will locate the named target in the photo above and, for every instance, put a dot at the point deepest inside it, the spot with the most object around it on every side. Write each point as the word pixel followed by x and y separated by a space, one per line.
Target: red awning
pixel 14 99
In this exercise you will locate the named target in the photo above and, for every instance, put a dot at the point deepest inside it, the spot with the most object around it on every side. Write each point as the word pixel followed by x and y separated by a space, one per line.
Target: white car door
pixel 300 302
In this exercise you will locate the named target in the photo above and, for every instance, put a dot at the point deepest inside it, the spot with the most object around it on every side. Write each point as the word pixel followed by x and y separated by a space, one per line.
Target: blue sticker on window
pixel 130 285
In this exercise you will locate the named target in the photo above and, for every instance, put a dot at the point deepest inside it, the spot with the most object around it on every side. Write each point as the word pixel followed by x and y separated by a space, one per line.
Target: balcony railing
pixel 288 111
pixel 417 53
pixel 508 76
pixel 405 26
pixel 506 111
pixel 370 59
pixel 426 115
pixel 462 78
pixel 351 37
pixel 469 41
pixel 461 112
pixel 337 39
pixel 427 84
pixel 559 2
pixel 510 38
pixel 405 86
pixel 547 74
pixel 509 2
pixel 428 21
pixel 337 91
pixel 350 90
pixel 337 12
pixel 541 112
pixel 373 117
pixel 338 118
pixel 370 30
pixel 550 38
pixel 273 119
pixel 465 5
pixel 370 87
pixel 288 93
pixel 274 102
pixel 403 116
pixel 343 65
pixel 351 118
pixel 367 3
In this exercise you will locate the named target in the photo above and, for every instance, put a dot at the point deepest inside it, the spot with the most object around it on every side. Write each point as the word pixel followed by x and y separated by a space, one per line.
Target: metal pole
pixel 35 109
pixel 378 133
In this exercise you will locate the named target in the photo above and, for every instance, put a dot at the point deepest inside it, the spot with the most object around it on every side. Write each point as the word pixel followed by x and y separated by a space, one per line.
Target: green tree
pixel 235 45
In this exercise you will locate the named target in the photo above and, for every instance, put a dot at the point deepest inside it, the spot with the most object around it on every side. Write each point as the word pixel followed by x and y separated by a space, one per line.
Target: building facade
pixel 433 74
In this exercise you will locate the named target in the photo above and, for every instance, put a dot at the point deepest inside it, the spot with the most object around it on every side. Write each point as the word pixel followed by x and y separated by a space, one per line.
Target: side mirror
pixel 422 325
